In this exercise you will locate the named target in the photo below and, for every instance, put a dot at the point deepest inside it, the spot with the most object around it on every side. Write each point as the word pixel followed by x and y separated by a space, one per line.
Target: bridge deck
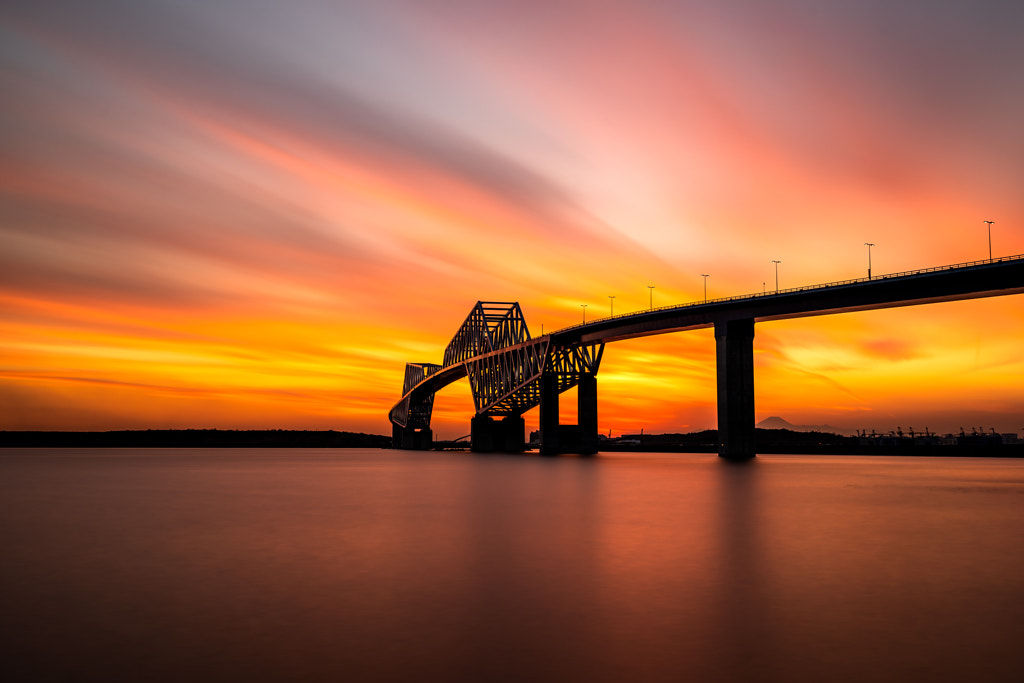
pixel 974 280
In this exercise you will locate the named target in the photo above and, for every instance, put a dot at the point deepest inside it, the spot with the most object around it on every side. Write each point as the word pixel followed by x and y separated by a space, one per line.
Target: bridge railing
pixel 791 290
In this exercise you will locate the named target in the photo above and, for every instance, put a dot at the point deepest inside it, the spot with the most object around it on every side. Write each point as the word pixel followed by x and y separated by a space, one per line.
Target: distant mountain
pixel 779 423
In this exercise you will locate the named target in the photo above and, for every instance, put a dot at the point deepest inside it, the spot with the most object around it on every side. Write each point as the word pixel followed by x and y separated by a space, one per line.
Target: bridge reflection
pixel 511 372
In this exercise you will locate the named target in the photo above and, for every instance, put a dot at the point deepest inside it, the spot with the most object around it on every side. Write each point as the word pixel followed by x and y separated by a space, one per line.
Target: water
pixel 369 565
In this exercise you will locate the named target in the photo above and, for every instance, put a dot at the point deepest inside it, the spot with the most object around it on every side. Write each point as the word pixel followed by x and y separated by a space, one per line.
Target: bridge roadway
pixel 733 319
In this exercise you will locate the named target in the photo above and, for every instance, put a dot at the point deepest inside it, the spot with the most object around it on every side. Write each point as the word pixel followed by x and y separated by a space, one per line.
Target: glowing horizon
pixel 253 215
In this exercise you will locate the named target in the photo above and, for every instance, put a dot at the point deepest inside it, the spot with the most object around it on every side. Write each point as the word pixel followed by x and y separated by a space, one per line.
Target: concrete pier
pixel 734 345
pixel 549 441
pixel 587 412
pixel 507 435
pixel 412 439
pixel 557 438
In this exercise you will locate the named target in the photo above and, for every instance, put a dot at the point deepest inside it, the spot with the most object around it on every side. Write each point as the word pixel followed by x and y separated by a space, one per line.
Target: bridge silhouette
pixel 511 372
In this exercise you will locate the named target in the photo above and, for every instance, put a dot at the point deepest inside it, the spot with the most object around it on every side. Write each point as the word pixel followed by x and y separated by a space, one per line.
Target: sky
pixel 252 213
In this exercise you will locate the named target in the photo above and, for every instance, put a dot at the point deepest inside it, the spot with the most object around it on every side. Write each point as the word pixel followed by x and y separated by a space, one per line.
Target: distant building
pixel 979 439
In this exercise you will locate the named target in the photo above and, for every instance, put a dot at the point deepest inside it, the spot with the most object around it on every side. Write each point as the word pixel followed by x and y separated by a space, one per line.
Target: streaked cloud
pixel 255 212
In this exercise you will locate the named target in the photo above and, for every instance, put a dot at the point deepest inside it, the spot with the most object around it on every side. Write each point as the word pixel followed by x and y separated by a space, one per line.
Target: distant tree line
pixel 820 443
pixel 195 438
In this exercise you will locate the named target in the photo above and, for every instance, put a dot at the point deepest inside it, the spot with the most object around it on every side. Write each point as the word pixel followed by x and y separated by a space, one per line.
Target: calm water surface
pixel 369 565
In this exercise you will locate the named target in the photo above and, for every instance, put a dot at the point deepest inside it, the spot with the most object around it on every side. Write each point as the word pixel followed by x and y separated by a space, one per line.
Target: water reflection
pixel 387 566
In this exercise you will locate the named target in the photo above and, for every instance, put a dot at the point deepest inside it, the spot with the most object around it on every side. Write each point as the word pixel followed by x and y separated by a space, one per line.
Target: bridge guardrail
pixel 791 290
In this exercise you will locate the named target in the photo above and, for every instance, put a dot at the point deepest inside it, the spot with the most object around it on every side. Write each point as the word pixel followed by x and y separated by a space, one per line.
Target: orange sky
pixel 253 214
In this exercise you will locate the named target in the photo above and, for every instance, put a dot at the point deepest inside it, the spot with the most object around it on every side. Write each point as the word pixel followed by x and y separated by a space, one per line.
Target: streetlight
pixel 989 238
pixel 584 307
pixel 705 286
pixel 869 245
pixel 651 287
pixel 611 305
pixel 776 275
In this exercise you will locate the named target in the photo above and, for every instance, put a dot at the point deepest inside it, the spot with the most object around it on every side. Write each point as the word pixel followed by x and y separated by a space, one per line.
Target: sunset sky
pixel 253 213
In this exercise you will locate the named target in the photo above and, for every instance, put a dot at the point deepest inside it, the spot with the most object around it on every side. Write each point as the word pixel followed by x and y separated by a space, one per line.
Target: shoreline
pixel 194 438
pixel 769 442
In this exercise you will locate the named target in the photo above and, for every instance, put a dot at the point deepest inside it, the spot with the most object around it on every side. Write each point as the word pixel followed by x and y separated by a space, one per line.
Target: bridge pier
pixel 549 415
pixel 412 439
pixel 488 435
pixel 513 434
pixel 734 347
pixel 587 411
pixel 481 434
pixel 579 438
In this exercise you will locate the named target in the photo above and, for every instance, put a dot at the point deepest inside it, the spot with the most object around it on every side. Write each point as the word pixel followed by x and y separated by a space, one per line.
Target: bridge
pixel 511 372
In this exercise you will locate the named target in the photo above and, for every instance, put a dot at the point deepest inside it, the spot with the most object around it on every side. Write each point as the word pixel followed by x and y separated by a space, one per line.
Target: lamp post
pixel 611 305
pixel 869 245
pixel 584 307
pixel 651 287
pixel 776 275
pixel 705 286
pixel 989 239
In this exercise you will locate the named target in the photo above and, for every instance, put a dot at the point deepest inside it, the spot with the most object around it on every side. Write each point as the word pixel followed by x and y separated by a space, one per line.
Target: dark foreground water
pixel 372 565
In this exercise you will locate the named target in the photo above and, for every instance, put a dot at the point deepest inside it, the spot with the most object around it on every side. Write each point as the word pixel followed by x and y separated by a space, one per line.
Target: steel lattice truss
pixel 502 382
pixel 567 363
pixel 508 382
pixel 416 373
pixel 490 326
pixel 411 413
pixel 504 364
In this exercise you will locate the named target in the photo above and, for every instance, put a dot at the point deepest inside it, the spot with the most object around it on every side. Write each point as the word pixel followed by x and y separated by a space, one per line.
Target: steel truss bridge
pixel 511 372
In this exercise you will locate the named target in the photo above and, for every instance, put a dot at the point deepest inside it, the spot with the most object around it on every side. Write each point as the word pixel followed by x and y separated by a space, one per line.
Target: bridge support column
pixel 513 434
pixel 481 434
pixel 587 409
pixel 734 345
pixel 412 439
pixel 488 435
pixel 549 414
pixel 577 438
